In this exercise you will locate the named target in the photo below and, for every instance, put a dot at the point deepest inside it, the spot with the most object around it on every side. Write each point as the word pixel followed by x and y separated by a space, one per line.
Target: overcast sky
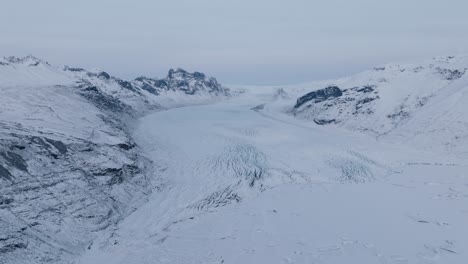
pixel 237 41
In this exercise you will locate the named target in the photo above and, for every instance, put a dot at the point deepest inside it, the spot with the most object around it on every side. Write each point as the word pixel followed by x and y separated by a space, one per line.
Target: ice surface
pixel 249 184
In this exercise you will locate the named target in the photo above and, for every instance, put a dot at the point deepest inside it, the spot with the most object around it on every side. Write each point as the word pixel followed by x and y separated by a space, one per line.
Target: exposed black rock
pixel 451 75
pixel 104 75
pixel 281 94
pixel 126 85
pixel 147 84
pixel 91 89
pixel 149 89
pixel 14 160
pixel 59 145
pixel 18 147
pixel 12 247
pixel 108 171
pixel 199 76
pixel 90 173
pixel 360 103
pixel 74 69
pixel 324 121
pixel 126 146
pixel 366 89
pixel 38 141
pixel 38 196
pixel 319 95
pixel 181 80
pixel 161 83
pixel 399 115
pixel 5 201
pixel 258 107
pixel 5 174
pixel 103 101
pixel 179 72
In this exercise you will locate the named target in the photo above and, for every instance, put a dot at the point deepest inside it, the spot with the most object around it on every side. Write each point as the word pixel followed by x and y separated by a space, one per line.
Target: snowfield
pixel 244 182
pixel 367 169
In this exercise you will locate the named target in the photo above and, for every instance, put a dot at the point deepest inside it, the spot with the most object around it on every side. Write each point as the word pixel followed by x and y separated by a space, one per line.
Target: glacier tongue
pixel 245 182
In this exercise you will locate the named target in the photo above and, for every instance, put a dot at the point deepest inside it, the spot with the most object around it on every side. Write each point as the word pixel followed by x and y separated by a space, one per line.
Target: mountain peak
pixel 28 60
pixel 177 73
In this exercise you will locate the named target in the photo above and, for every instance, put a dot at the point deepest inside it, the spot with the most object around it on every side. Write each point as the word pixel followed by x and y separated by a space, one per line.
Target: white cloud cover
pixel 262 41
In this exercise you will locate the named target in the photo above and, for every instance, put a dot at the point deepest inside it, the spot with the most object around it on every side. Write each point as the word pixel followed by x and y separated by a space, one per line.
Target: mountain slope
pixel 68 164
pixel 419 103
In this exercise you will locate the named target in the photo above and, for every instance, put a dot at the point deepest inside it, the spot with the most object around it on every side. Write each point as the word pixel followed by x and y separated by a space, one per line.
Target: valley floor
pixel 243 185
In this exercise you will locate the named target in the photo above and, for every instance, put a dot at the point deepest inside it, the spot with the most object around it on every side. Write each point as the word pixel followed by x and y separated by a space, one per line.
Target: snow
pixel 415 103
pixel 260 186
pixel 250 179
pixel 29 71
pixel 68 165
pixel 59 152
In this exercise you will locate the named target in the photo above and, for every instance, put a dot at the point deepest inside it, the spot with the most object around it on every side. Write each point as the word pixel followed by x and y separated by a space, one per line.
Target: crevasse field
pixel 243 181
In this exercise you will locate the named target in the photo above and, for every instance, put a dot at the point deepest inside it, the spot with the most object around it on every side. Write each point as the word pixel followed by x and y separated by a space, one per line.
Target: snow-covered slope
pixel 422 103
pixel 143 93
pixel 30 70
pixel 174 88
pixel 68 165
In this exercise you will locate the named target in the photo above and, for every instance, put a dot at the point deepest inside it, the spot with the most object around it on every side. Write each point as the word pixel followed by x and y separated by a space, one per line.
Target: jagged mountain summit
pixel 421 103
pixel 141 93
pixel 68 163
pixel 179 79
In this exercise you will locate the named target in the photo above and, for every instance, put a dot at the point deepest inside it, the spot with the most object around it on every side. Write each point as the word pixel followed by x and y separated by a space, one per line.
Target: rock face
pixel 420 102
pixel 319 95
pixel 319 103
pixel 181 80
pixel 68 164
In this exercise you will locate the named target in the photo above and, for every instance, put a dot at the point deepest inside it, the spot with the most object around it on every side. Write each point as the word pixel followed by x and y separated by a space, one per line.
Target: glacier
pixel 370 168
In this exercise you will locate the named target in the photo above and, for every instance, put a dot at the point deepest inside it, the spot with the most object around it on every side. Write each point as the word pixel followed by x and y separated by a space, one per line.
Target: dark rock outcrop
pixel 324 121
pixel 104 75
pixel 181 80
pixel 4 173
pixel 451 75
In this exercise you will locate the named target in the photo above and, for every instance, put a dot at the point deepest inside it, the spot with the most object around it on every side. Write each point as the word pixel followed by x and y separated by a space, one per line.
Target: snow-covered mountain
pixel 178 88
pixel 422 103
pixel 92 172
pixel 68 164
pixel 247 182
